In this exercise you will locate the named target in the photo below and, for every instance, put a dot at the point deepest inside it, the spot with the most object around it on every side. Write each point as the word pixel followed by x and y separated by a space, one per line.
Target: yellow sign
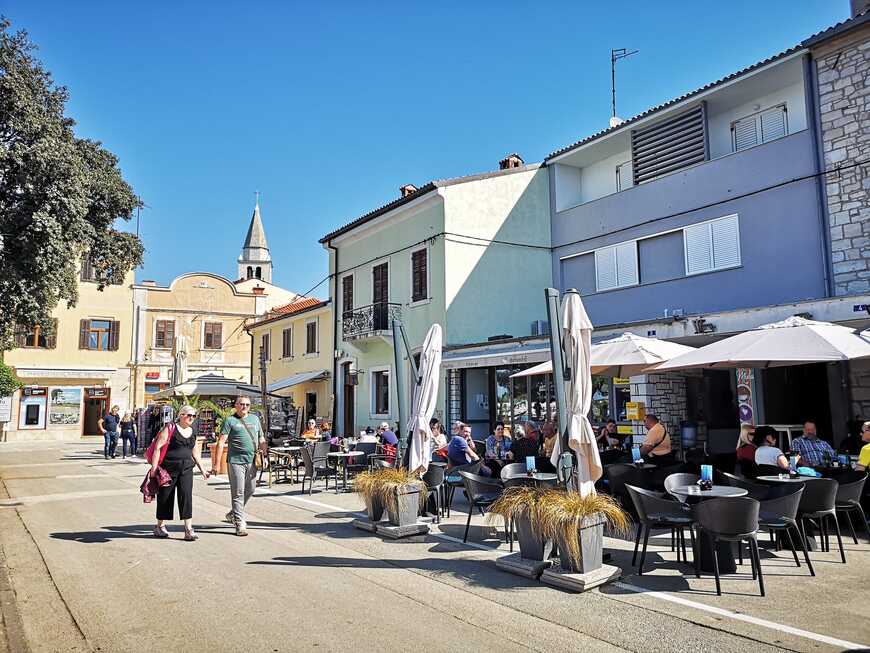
pixel 624 430
pixel 618 380
pixel 635 410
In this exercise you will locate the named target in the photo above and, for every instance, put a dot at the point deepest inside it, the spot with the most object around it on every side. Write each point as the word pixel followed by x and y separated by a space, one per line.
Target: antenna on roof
pixel 616 55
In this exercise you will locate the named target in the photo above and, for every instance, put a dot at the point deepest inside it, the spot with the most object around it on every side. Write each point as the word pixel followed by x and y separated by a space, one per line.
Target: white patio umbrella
pixel 624 355
pixel 425 399
pixel 179 365
pixel 793 341
pixel 577 343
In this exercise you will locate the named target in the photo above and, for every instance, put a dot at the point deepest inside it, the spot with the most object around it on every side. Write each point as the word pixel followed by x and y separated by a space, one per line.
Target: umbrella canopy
pixel 209 385
pixel 577 345
pixel 179 365
pixel 793 341
pixel 425 399
pixel 624 355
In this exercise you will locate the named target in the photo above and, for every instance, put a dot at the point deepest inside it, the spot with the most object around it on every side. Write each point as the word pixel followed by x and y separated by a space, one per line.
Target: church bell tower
pixel 255 261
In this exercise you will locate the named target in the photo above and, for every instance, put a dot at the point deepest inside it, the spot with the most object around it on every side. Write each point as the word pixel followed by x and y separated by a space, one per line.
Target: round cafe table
pixel 344 456
pixel 773 478
pixel 539 478
pixel 724 550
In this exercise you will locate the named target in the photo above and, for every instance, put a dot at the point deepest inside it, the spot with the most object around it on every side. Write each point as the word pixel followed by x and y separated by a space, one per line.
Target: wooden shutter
pixel 725 236
pixel 419 292
pixel 744 133
pixel 114 330
pixel 287 343
pixel 311 338
pixel 169 333
pixel 20 336
pixel 84 328
pixel 380 292
pixel 217 335
pixel 699 248
pixel 670 145
pixel 51 336
pixel 347 294
pixel 773 124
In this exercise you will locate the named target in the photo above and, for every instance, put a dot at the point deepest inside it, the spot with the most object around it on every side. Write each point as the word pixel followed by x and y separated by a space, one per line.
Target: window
pixel 381 392
pixel 38 337
pixel 761 127
pixel 99 335
pixel 419 276
pixel 347 295
pixel 624 177
pixel 164 334
pixel 287 343
pixel 311 337
pixel 91 272
pixel 616 266
pixel 713 245
pixel 212 335
pixel 265 342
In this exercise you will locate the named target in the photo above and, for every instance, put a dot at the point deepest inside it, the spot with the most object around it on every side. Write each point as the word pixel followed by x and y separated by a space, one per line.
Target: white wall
pixel 567 185
pixel 599 179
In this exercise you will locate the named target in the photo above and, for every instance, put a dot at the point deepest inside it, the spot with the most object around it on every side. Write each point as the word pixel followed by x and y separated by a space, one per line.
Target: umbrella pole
pixel 559 375
pixel 401 404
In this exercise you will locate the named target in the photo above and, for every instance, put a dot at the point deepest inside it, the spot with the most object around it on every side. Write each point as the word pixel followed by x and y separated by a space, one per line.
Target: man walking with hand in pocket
pixel 242 433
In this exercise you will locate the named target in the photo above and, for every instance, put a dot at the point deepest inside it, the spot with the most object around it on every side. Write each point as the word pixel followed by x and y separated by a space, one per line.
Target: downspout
pixel 335 417
pixel 811 93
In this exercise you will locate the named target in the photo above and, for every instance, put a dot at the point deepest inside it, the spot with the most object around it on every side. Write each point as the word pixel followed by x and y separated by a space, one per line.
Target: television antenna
pixel 615 55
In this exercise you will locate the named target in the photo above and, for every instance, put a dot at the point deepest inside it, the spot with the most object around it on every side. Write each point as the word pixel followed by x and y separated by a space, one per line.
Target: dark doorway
pixel 349 393
pixel 96 405
pixel 796 394
pixel 311 405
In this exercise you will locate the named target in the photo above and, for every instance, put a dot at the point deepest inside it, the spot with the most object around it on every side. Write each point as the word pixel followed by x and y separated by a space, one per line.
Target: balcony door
pixel 380 296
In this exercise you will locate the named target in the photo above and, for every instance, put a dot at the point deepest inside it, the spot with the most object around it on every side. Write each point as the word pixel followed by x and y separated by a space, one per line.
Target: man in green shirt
pixel 243 433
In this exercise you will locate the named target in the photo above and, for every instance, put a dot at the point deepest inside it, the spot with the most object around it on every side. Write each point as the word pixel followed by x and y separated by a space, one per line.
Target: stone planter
pixel 406 507
pixel 591 548
pixel 374 509
pixel 533 546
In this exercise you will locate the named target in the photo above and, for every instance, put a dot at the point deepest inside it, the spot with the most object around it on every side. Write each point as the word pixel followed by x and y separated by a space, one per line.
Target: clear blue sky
pixel 328 107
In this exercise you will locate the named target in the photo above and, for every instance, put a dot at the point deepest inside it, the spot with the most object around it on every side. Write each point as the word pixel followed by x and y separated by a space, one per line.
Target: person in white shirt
pixel 767 452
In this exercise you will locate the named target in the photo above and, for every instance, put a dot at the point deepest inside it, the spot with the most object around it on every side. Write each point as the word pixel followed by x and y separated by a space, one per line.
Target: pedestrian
pixel 109 427
pixel 182 452
pixel 242 433
pixel 128 434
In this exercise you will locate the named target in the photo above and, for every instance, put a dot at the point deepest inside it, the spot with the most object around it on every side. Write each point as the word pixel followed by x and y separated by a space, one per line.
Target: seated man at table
pixel 864 457
pixel 767 453
pixel 386 435
pixel 814 451
pixel 460 450
pixel 657 444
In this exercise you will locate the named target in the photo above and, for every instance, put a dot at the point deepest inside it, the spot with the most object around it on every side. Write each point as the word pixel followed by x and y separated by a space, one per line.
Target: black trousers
pixel 181 472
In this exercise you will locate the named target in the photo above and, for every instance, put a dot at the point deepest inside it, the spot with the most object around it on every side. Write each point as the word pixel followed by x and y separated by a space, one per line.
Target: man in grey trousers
pixel 243 433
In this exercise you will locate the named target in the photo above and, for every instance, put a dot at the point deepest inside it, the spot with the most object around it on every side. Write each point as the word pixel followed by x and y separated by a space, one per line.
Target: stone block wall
pixel 859 379
pixel 665 396
pixel 844 110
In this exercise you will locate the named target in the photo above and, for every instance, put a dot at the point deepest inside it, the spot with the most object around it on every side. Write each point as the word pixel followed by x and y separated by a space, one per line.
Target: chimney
pixel 511 161
pixel 407 189
pixel 859 6
pixel 258 290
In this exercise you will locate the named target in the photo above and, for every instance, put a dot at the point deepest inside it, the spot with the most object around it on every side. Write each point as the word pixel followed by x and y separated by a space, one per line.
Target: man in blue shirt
pixel 814 451
pixel 460 449
pixel 387 436
pixel 109 426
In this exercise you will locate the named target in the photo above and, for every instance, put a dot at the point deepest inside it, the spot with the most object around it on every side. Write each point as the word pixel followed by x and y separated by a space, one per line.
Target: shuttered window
pixel 616 266
pixel 712 245
pixel 419 279
pixel 99 335
pixel 347 295
pixel 38 337
pixel 624 176
pixel 670 145
pixel 287 343
pixel 311 338
pixel 164 334
pixel 212 337
pixel 265 346
pixel 761 127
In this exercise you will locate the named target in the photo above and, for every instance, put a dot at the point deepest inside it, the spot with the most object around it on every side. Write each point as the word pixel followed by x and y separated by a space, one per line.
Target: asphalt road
pixel 80 571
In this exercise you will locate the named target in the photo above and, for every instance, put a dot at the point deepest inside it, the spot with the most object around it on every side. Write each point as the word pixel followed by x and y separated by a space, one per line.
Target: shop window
pixel 99 335
pixel 381 392
pixel 212 335
pixel 38 337
pixel 600 398
pixel 621 396
pixel 164 334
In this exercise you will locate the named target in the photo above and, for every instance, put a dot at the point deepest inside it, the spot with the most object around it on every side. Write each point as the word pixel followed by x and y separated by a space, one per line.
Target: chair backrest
pixel 512 469
pixel 676 480
pixel 308 461
pixel 769 470
pixel 382 463
pixel 611 456
pixel 729 515
pixel 748 468
pixel 850 486
pixel 783 500
pixel 819 495
pixel 756 491
pixel 434 476
pixel 638 496
pixel 320 450
pixel 474 468
pixel 480 448
pixel 476 485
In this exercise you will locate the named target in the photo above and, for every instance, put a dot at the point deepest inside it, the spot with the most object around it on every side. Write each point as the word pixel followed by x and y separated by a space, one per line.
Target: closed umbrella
pixel 179 365
pixel 577 343
pixel 425 399
pixel 793 341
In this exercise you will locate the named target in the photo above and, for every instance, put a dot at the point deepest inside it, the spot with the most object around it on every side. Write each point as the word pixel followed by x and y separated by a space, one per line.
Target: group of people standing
pixel 112 425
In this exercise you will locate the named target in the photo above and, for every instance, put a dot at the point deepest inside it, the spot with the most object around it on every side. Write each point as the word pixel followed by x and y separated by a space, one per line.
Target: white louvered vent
pixel 699 251
pixel 713 245
pixel 626 264
pixel 745 133
pixel 726 242
pixel 761 127
pixel 616 266
pixel 605 268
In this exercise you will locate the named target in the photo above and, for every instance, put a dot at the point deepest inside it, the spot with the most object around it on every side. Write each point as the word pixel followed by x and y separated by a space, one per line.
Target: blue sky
pixel 327 108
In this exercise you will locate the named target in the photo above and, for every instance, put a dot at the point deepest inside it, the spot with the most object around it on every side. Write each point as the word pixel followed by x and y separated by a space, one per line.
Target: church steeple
pixel 256 261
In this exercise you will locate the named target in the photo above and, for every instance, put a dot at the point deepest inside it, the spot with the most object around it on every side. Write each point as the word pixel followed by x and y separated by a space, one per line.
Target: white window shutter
pixel 726 242
pixel 626 264
pixel 605 268
pixel 745 133
pixel 773 124
pixel 699 249
pixel 624 176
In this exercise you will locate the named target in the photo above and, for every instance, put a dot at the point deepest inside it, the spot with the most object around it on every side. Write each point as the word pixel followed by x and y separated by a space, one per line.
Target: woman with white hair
pixel 180 454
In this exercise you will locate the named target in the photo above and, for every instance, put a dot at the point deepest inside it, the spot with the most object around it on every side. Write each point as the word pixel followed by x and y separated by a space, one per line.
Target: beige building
pixel 75 372
pixel 297 342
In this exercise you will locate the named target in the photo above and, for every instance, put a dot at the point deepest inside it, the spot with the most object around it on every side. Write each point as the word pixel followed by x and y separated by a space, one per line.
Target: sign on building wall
pixel 745 395
pixel 66 406
pixel 5 409
pixel 635 410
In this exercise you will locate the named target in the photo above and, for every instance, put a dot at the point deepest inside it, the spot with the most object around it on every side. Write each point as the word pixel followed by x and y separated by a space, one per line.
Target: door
pixel 349 401
pixel 380 297
pixel 96 405
pixel 311 405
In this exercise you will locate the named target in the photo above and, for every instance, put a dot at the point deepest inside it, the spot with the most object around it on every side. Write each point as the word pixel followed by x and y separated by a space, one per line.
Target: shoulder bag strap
pixel 253 439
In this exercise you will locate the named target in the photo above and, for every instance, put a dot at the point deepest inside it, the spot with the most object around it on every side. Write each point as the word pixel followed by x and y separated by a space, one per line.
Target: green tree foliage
pixel 9 383
pixel 59 196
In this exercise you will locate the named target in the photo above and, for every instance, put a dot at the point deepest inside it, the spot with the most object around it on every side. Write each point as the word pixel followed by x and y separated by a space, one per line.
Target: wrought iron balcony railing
pixel 369 320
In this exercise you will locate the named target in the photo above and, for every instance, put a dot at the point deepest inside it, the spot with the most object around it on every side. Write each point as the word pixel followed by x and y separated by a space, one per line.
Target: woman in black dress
pixel 182 452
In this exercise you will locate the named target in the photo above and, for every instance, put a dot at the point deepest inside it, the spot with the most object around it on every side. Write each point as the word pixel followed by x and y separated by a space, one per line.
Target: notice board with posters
pixel 5 409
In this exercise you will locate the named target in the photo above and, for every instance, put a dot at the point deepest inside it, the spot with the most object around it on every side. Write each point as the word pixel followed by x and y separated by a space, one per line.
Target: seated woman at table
pixel 767 453
pixel 311 431
pixel 745 446
pixel 498 448
pixel 864 457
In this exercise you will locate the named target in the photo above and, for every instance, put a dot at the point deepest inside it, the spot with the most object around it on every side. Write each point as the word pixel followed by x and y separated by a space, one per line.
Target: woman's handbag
pixel 149 452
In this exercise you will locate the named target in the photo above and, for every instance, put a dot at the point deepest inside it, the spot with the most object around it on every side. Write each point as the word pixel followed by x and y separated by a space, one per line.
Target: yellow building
pixel 75 372
pixel 297 342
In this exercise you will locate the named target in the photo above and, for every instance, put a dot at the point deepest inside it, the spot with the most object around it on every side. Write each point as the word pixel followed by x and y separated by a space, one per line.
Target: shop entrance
pixel 96 405
pixel 796 394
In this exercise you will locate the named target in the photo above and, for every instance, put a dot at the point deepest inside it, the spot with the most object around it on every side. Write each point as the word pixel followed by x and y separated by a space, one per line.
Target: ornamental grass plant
pixel 519 502
pixel 382 485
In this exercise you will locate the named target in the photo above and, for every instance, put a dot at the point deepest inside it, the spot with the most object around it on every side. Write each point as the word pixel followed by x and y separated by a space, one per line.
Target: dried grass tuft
pixel 382 484
pixel 518 502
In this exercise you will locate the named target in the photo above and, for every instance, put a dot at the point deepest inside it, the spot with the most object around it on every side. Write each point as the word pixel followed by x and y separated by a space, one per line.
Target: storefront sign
pixel 152 375
pixel 35 392
pixel 635 410
pixel 617 380
pixel 745 395
pixel 66 406
pixel 624 429
pixel 36 373
pixel 5 409
pixel 97 393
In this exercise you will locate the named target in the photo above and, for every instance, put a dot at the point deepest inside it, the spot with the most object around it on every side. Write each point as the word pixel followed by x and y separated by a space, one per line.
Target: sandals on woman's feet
pixel 190 536
pixel 161 532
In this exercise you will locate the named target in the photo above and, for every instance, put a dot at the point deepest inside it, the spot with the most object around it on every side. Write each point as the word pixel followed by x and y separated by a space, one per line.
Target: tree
pixel 59 196
pixel 9 383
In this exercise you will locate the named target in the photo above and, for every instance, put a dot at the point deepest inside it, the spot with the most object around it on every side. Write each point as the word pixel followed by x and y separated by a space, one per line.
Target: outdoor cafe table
pixel 344 456
pixel 724 550
pixel 540 478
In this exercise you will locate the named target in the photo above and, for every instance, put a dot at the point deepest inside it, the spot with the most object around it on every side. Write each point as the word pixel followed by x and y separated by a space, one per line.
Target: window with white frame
pixel 311 337
pixel 287 343
pixel 380 382
pixel 616 266
pixel 713 245
pixel 624 178
pixel 761 127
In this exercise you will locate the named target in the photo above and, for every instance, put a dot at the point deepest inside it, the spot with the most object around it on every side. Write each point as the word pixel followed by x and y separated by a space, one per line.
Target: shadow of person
pixel 108 534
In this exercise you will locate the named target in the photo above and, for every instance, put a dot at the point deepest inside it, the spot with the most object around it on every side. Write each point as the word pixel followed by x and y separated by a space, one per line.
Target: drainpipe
pixel 811 93
pixel 333 293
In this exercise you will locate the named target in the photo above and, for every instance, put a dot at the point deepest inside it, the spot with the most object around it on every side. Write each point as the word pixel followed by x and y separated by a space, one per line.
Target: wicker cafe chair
pixel 655 511
pixel 482 493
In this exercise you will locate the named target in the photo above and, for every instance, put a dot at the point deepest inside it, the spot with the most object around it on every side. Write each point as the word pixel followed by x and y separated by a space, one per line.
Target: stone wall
pixel 859 379
pixel 664 395
pixel 844 107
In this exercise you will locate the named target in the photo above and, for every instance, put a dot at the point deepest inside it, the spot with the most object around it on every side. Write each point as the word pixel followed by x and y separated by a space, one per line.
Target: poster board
pixel 65 406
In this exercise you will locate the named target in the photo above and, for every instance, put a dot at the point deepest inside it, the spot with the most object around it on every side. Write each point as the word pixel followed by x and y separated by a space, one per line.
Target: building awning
pixel 515 353
pixel 296 379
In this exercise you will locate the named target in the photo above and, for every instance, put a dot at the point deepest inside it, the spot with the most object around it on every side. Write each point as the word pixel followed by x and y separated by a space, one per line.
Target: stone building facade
pixel 663 395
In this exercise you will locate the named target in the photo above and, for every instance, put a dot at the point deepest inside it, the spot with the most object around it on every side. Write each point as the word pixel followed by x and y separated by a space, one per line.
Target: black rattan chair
pixel 482 492
pixel 731 520
pixel 618 476
pixel 434 480
pixel 848 500
pixel 778 512
pixel 655 511
pixel 314 470
pixel 677 480
pixel 819 502
pixel 756 491
pixel 453 480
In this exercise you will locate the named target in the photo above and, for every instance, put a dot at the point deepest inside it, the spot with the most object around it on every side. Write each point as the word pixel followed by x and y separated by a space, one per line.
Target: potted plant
pixel 520 507
pixel 576 525
pixel 366 484
pixel 403 494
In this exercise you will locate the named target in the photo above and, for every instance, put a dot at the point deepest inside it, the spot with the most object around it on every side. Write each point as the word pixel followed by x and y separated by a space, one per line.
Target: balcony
pixel 370 322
